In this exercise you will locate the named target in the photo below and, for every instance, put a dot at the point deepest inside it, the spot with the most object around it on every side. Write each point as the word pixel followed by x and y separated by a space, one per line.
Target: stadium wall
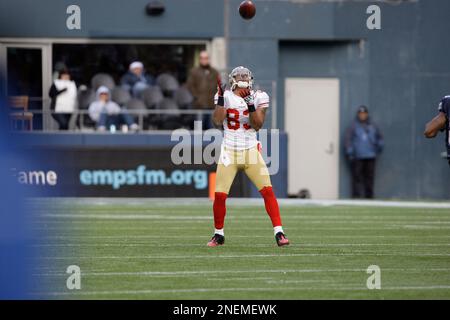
pixel 92 165
pixel 400 71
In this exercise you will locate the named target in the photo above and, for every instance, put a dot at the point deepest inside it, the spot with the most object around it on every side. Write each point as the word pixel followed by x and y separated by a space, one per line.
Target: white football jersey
pixel 238 134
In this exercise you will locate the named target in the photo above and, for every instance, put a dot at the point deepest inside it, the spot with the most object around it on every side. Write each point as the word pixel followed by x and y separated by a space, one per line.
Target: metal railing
pixel 78 116
pixel 49 124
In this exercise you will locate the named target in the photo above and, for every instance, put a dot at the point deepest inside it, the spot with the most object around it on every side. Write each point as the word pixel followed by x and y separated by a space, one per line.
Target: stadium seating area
pixel 165 106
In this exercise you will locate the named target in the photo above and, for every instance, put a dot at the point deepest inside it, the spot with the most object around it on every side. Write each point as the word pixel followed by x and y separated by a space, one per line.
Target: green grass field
pixel 157 250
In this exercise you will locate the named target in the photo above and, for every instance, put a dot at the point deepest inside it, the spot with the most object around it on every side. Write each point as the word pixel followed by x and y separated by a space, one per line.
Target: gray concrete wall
pixel 111 18
pixel 400 72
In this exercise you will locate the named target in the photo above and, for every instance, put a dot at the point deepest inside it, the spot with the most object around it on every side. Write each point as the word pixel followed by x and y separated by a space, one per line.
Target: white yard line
pixel 425 228
pixel 262 216
pixel 120 216
pixel 213 257
pixel 240 279
pixel 241 228
pixel 303 236
pixel 174 202
pixel 255 220
pixel 125 237
pixel 221 272
pixel 206 290
pixel 280 281
pixel 367 203
pixel 86 225
pixel 121 244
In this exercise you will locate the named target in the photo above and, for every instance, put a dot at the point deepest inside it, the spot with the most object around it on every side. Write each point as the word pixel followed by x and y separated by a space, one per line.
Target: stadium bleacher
pixel 167 101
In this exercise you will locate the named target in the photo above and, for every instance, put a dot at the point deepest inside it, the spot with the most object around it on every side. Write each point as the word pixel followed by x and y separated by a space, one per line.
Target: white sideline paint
pixel 174 202
pixel 278 281
pixel 254 219
pixel 318 219
pixel 120 216
pixel 309 229
pixel 187 257
pixel 221 272
pixel 309 236
pixel 201 290
pixel 240 279
pixel 127 237
pixel 248 246
pixel 262 218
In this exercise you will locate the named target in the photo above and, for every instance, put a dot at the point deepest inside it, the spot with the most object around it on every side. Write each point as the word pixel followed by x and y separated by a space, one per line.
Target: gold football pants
pixel 249 160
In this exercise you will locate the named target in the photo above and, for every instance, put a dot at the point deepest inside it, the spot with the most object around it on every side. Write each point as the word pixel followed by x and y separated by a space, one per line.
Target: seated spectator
pixel 136 80
pixel 63 94
pixel 106 113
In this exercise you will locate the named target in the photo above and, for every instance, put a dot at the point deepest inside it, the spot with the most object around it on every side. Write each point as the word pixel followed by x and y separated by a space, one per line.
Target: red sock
pixel 219 209
pixel 271 204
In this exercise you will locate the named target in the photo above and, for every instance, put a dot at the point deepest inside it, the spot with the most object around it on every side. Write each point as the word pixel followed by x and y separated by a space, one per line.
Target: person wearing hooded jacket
pixel 363 143
pixel 136 79
pixel 106 113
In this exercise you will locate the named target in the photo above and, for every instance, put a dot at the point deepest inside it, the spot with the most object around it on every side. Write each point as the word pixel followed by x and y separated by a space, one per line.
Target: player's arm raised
pixel 437 123
pixel 220 113
pixel 257 116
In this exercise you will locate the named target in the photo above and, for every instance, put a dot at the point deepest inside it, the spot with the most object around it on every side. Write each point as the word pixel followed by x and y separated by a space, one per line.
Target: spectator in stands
pixel 59 66
pixel 363 143
pixel 107 113
pixel 136 79
pixel 63 94
pixel 202 83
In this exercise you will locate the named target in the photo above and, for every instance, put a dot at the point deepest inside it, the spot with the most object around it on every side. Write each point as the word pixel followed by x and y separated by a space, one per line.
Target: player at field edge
pixel 441 122
pixel 241 111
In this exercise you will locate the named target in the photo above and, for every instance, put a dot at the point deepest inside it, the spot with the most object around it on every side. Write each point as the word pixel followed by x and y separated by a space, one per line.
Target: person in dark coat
pixel 202 83
pixel 363 143
pixel 441 122
pixel 136 79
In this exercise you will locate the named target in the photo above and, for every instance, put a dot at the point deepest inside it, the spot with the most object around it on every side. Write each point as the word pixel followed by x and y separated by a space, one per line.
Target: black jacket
pixel 53 93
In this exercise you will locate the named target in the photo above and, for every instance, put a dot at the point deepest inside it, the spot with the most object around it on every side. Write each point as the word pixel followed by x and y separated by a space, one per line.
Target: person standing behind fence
pixel 202 83
pixel 63 94
pixel 363 143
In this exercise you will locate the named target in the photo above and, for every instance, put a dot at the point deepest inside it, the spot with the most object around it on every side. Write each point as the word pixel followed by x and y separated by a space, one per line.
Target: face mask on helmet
pixel 241 77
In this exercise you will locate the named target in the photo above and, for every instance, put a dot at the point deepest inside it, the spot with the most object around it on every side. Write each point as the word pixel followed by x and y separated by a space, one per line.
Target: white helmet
pixel 241 77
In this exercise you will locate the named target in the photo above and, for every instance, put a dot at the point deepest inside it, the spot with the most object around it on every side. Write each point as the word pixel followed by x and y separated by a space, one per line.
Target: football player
pixel 440 123
pixel 241 112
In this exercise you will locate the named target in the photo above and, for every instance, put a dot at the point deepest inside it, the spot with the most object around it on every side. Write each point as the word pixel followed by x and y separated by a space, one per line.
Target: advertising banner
pixel 119 172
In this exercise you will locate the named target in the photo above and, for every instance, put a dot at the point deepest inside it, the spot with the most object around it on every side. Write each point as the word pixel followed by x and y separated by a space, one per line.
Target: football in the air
pixel 247 9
